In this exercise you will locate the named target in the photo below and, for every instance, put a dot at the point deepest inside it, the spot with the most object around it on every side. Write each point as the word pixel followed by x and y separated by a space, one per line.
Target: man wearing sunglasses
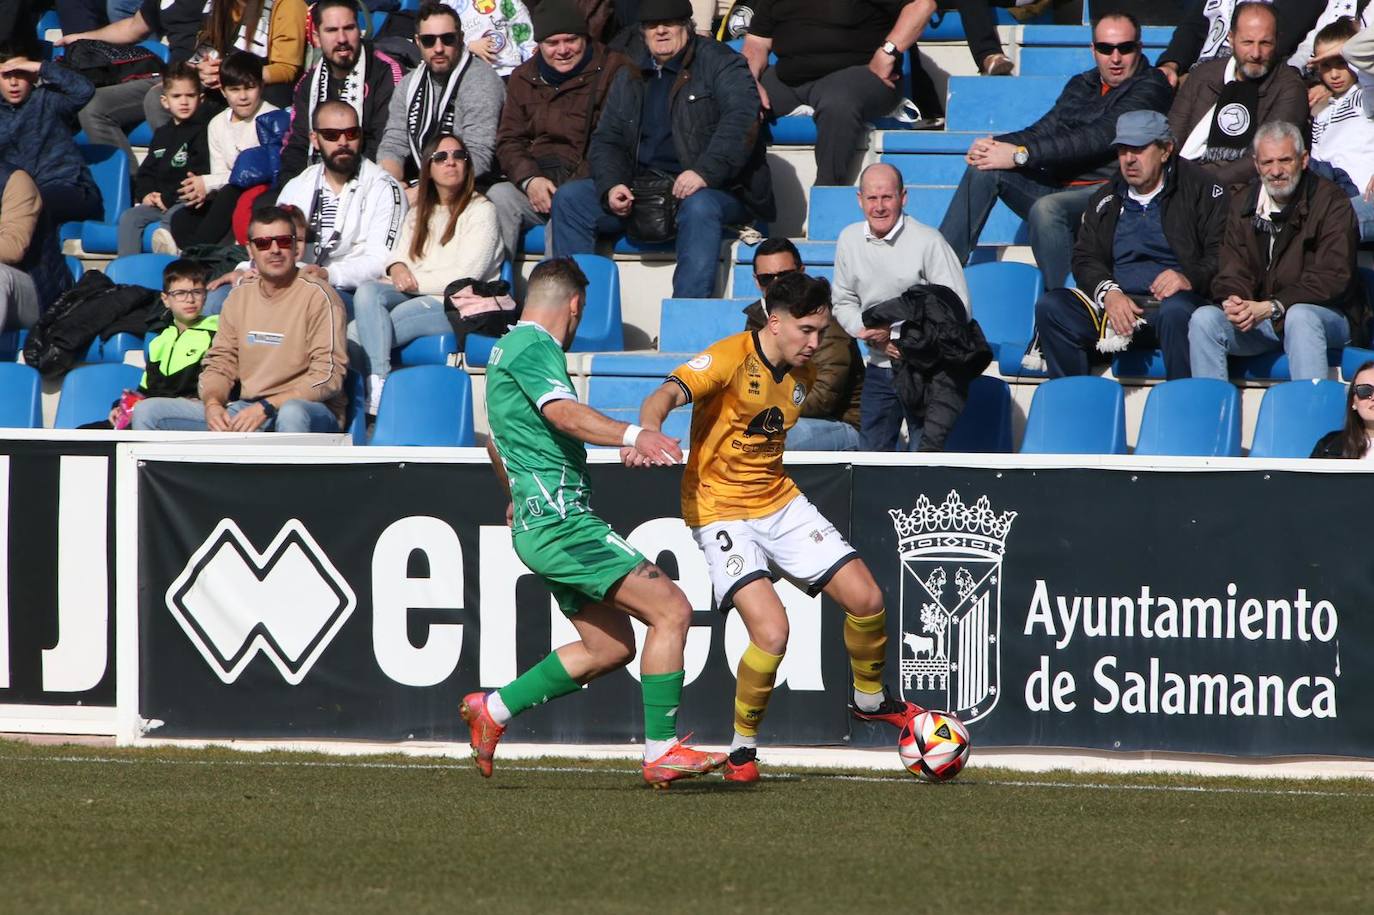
pixel 280 343
pixel 1047 172
pixel 353 208
pixel 1223 101
pixel 453 92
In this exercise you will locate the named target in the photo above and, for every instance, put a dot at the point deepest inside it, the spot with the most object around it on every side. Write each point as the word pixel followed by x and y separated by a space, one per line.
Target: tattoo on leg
pixel 647 569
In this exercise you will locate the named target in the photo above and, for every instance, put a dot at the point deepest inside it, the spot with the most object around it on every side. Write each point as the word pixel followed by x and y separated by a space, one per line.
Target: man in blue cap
pixel 1144 260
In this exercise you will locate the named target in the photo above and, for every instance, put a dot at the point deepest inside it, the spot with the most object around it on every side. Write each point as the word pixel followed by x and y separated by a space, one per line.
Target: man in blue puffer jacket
pixel 38 104
pixel 1047 172
pixel 689 110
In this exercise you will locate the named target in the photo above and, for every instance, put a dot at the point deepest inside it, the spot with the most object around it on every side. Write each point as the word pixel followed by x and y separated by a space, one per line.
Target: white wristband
pixel 631 433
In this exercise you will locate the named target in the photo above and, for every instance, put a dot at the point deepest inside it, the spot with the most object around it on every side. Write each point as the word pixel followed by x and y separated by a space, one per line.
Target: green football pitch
pixel 102 830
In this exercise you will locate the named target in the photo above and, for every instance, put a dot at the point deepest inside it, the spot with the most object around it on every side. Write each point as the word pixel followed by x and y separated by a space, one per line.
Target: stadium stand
pixel 89 389
pixel 1293 415
pixel 1198 417
pixel 21 397
pixel 1082 415
pixel 429 405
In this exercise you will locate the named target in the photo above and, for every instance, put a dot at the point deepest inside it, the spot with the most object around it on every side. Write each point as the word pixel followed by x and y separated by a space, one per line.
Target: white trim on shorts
pixel 795 541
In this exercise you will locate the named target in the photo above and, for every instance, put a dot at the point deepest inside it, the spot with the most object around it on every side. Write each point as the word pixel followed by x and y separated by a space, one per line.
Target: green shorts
pixel 580 558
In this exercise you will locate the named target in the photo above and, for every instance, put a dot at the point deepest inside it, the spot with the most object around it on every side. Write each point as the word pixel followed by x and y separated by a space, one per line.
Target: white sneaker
pixel 375 383
pixel 163 243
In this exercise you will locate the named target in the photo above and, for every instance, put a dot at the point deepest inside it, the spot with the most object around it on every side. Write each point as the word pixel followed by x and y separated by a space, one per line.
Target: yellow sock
pixel 754 684
pixel 865 638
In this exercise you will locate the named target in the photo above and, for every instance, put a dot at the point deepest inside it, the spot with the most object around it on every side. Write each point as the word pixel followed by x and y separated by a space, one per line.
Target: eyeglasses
pixel 285 242
pixel 766 279
pixel 443 155
pixel 1106 48
pixel 186 295
pixel 1364 391
pixel 333 134
pixel 448 38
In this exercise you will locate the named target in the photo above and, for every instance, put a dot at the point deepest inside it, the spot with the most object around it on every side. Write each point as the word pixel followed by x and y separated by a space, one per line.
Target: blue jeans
pixel 1364 215
pixel 134 220
pixel 182 414
pixel 374 323
pixel 1308 332
pixel 578 219
pixel 1052 213
pixel 422 317
pixel 881 413
pixel 121 9
pixel 1068 337
pixel 810 434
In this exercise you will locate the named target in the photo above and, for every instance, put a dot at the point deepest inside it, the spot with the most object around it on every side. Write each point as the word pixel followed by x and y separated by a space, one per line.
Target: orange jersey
pixel 742 408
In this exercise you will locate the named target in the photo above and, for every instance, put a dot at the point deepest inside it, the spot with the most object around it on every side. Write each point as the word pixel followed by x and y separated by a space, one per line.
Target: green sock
pixel 662 693
pixel 544 681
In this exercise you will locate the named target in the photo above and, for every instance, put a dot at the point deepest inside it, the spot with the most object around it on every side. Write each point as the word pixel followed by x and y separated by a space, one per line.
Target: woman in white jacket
pixel 451 233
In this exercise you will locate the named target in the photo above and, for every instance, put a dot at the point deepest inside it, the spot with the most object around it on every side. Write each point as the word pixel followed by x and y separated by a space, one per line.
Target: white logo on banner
pixel 950 655
pixel 287 602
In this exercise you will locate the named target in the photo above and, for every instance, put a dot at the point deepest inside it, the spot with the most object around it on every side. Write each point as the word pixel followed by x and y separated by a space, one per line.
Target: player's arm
pixel 659 404
pixel 580 421
pixel 500 467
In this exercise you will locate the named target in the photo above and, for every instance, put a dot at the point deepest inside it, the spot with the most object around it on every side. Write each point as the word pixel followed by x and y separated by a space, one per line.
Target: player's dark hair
pixel 778 246
pixel 431 8
pixel 317 11
pixel 265 216
pixel 555 280
pixel 799 294
pixel 1342 29
pixel 1116 14
pixel 180 72
pixel 242 68
pixel 183 268
pixel 1245 5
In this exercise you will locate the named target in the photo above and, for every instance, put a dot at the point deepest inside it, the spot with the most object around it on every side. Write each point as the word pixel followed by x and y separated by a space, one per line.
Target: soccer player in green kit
pixel 538 431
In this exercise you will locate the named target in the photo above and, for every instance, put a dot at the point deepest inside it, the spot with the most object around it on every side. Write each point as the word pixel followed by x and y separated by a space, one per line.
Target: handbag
pixel 653 215
pixel 476 307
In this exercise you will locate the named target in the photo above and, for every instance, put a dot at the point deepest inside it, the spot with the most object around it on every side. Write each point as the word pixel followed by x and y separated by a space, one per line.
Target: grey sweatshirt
pixel 869 271
pixel 476 113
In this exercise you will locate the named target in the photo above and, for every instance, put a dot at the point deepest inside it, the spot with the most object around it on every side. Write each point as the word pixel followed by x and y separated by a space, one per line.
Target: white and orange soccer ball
pixel 934 746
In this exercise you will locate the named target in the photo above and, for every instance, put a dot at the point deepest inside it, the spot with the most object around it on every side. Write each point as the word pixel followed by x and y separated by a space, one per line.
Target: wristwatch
pixel 1275 310
pixel 890 48
pixel 1021 156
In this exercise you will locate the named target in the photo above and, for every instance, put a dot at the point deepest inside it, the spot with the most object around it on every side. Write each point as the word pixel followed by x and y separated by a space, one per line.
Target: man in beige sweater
pixel 281 340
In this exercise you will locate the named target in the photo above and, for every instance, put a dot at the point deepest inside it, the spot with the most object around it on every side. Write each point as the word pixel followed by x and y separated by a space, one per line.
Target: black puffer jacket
pixel 95 306
pixel 1193 210
pixel 942 351
pixel 1073 140
pixel 714 108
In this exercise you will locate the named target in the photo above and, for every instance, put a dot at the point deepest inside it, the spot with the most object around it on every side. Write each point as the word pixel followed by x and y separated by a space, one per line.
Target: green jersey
pixel 547 469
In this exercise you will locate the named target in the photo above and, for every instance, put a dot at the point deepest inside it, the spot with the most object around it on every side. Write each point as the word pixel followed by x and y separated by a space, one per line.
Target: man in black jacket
pixel 1047 172
pixel 1145 257
pixel 688 110
pixel 349 71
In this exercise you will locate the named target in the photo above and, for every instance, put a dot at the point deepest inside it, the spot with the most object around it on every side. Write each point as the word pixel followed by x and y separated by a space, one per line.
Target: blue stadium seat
pixel 1273 366
pixel 21 397
pixel 930 169
pixel 620 392
pixel 927 141
pixel 1080 415
pixel 427 405
pixel 1080 36
pixel 88 391
pixel 434 349
pixel 833 208
pixel 115 348
pixel 1003 296
pixel 1293 415
pixel 812 252
pixel 691 325
pixel 976 103
pixel 75 266
pixel 139 269
pixel 162 52
pixel 742 285
pixel 1191 417
pixel 1352 357
pixel 985 425
pixel 110 169
pixel 637 364
pixel 678 425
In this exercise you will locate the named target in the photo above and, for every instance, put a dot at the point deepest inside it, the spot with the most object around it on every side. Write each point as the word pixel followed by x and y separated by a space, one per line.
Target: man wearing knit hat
pixel 688 109
pixel 552 103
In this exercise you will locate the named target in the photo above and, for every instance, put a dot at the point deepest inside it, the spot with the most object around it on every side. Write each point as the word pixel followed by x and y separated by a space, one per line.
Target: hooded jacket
pixel 714 115
pixel 175 357
pixel 37 135
pixel 1192 210
pixel 176 151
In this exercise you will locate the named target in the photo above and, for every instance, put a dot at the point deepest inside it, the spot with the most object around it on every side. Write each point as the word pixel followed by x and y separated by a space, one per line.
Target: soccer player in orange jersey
pixel 745 512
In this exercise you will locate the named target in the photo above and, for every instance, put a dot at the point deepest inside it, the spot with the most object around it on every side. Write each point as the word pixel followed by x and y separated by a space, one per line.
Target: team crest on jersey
pixel 798 393
pixel 534 506
pixel 700 362
pixel 950 654
pixel 1233 119
pixel 768 423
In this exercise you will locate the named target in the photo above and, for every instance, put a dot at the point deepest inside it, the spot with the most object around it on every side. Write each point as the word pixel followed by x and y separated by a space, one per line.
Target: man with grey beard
pixel 1286 275
pixel 1223 101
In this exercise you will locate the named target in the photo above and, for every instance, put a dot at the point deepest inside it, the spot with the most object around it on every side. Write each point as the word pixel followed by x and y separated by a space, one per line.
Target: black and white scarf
pixel 351 93
pixel 1225 131
pixel 262 32
pixel 428 113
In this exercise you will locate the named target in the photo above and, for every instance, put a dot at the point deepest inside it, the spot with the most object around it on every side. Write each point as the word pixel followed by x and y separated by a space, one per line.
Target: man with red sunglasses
pixel 280 343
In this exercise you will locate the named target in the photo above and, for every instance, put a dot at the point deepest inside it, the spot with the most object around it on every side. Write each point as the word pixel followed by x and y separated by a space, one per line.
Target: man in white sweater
pixel 353 208
pixel 876 260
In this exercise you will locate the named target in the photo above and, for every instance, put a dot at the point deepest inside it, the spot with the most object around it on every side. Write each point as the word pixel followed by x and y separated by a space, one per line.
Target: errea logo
pixel 287 602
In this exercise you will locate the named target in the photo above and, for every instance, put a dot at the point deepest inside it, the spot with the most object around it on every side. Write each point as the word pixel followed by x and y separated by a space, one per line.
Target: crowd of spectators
pixel 1209 203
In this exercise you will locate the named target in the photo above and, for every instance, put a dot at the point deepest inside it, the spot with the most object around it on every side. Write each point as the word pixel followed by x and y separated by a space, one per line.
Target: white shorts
pixel 796 539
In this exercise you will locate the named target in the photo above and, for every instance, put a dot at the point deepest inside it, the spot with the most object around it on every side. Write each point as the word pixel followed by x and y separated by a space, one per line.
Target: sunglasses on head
pixel 448 38
pixel 1364 391
pixel 443 155
pixel 334 134
pixel 766 279
pixel 1105 48
pixel 265 242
